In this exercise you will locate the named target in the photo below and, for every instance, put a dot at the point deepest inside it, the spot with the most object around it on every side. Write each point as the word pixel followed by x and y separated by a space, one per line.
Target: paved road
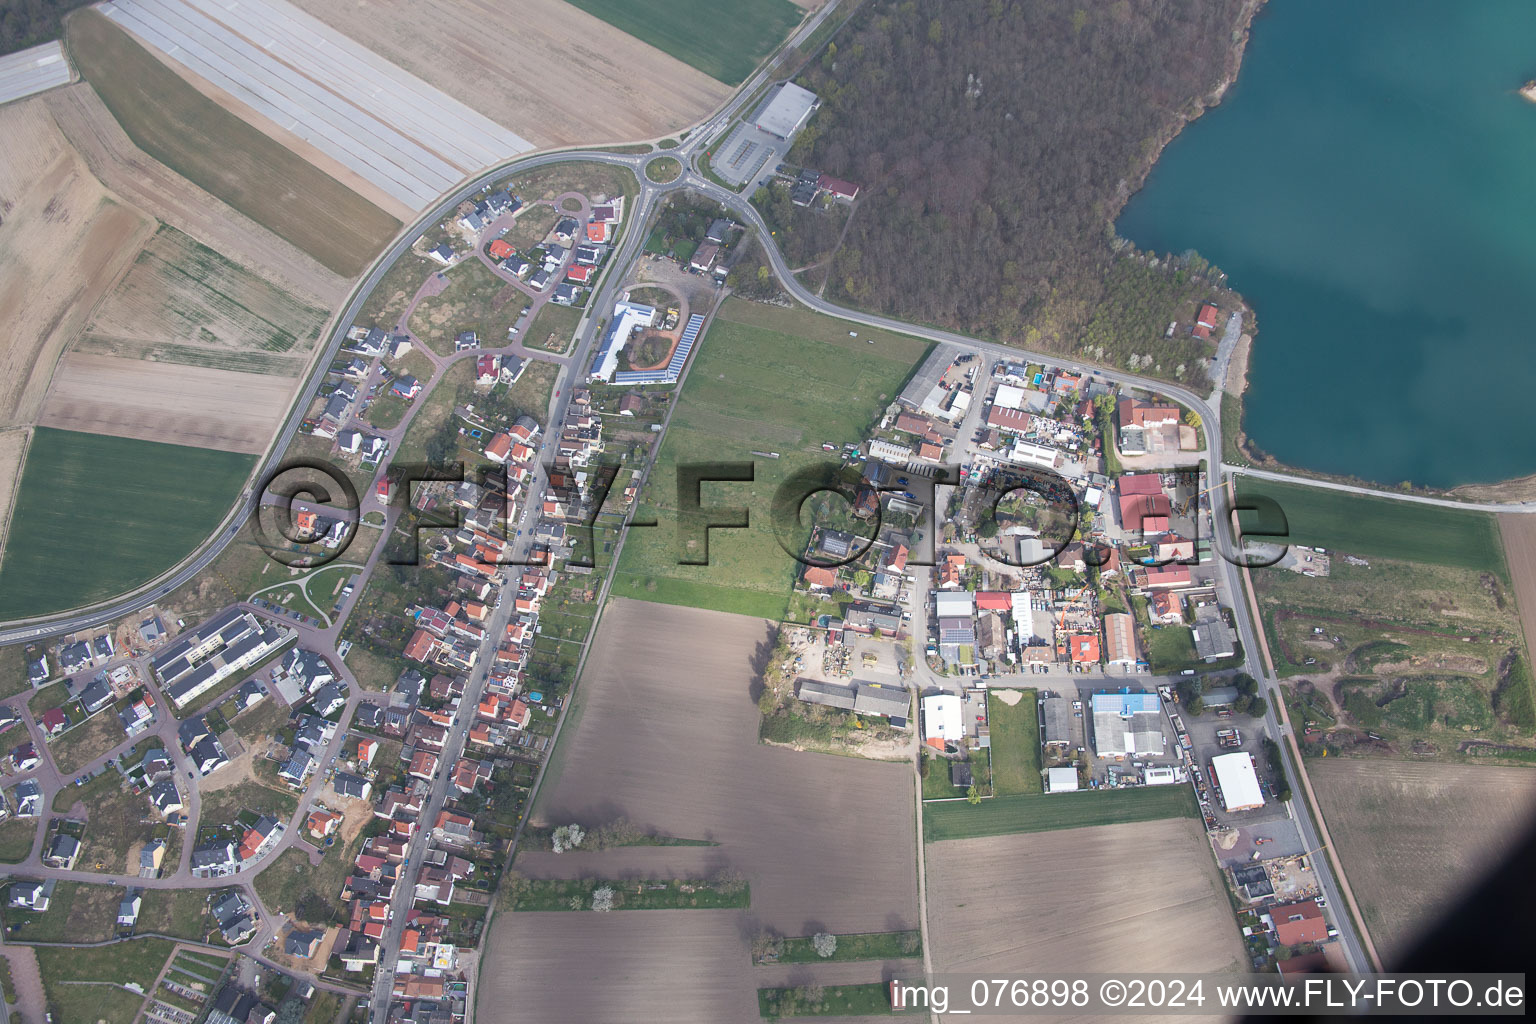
pixel 572 370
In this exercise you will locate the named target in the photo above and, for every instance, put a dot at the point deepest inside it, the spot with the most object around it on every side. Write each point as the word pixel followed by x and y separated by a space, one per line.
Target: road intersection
pixel 571 371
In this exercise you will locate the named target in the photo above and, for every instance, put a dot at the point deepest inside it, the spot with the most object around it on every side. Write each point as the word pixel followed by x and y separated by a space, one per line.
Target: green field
pixel 1015 745
pixel 1380 527
pixel 101 970
pixel 854 946
pixel 864 1000
pixel 764 379
pixel 1005 815
pixel 96 516
pixel 725 41
pixel 195 137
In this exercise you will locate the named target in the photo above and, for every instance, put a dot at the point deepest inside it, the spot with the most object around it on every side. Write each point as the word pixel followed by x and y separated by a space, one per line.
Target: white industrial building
pixel 1238 782
pixel 943 720
pixel 955 604
pixel 1127 724
pixel 786 111
pixel 1061 780
pixel 628 317
pixel 889 451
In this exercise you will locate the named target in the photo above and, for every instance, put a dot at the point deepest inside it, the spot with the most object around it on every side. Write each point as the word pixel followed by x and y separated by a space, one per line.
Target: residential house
pixel 62 852
pixel 128 909
pixel 32 895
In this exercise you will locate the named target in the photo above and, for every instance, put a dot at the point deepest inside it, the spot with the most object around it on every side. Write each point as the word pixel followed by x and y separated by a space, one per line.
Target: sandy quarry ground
pixel 550 72
pixel 667 738
pixel 1142 897
pixel 190 405
pixel 172 199
pixel 1411 836
pixel 64 243
pixel 13 449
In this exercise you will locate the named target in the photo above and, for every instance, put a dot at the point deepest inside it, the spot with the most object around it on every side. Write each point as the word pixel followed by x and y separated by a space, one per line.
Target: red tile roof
pixel 500 250
pixel 1296 923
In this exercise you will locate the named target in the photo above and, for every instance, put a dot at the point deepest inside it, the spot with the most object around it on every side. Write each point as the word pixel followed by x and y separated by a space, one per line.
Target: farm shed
pixel 1061 780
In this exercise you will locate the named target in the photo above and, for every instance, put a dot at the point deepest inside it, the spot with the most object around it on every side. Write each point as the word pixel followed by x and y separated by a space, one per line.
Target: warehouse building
pixel 230 642
pixel 1120 639
pixel 1061 780
pixel 1127 724
pixel 786 111
pixel 891 702
pixel 1238 782
pixel 1214 639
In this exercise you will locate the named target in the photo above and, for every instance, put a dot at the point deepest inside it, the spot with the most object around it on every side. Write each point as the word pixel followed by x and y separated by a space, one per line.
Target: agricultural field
pixel 1519 535
pixel 1412 836
pixel 1141 897
pixel 763 379
pixel 182 302
pixel 475 300
pixel 109 499
pixel 1427 657
pixel 1015 742
pixel 1005 815
pixel 174 123
pixel 151 186
pixel 13 451
pixel 653 686
pixel 1380 527
pixel 520 78
pixel 724 42
pixel 64 242
pixel 195 406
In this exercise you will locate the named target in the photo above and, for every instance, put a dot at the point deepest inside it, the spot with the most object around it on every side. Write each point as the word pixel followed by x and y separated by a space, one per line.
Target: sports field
pixel 725 41
pixel 96 516
pixel 764 379
pixel 1380 527
pixel 197 138
pixel 1004 815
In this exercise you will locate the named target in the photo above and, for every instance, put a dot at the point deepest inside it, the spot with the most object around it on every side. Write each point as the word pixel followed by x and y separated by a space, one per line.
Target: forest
pixel 25 23
pixel 996 141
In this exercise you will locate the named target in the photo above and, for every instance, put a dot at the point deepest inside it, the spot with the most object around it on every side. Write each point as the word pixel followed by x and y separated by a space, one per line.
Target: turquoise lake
pixel 1369 186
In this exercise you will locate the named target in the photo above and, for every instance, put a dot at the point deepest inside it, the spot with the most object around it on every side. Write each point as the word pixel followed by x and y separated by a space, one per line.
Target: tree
pixel 602 899
pixel 1192 418
pixel 567 837
pixel 767 947
pixel 973 795
pixel 824 943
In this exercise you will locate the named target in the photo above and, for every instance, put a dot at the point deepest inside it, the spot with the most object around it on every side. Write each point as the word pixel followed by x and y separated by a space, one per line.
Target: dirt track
pixel 165 195
pixel 545 69
pixel 189 405
pixel 1518 531
pixel 64 243
pixel 668 739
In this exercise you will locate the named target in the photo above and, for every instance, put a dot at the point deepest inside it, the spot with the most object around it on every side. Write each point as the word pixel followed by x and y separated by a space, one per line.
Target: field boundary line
pixel 5 513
